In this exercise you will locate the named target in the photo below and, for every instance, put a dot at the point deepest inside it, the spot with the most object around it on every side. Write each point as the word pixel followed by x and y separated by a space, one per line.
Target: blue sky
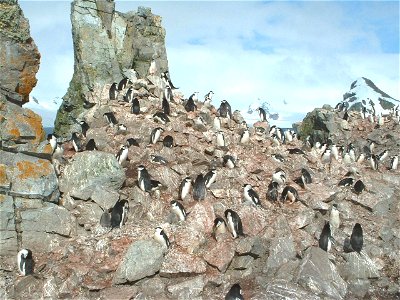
pixel 303 53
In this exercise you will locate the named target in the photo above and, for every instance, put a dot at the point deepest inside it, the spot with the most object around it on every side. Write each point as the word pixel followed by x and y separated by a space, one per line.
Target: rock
pixel 8 236
pixel 358 266
pixel 178 263
pixel 127 39
pixel 220 255
pixel 187 289
pixel 143 259
pixel 281 289
pixel 30 177
pixel 101 169
pixel 282 250
pixel 19 56
pixel 241 262
pixel 121 292
pixel 105 198
pixel 318 274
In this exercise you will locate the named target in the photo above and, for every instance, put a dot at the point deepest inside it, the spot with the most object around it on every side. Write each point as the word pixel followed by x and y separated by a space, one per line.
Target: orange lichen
pixel 35 122
pixel 3 174
pixel 15 133
pixel 30 169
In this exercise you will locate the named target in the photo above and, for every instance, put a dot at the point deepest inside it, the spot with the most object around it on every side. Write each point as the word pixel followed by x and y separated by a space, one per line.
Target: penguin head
pixel 247 187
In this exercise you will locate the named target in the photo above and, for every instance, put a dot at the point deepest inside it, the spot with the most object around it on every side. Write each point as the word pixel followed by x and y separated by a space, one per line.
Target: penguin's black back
pixel 190 106
pixel 199 188
pixel 116 214
pixel 168 141
pixel 235 293
pixel 135 108
pixel 356 239
pixel 324 237
pixel 165 106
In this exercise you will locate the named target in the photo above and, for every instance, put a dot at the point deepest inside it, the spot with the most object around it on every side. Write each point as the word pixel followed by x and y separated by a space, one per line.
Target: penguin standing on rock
pixel 113 91
pixel 165 107
pixel 52 139
pixel 210 177
pixel 178 209
pixel 229 161
pixel 161 237
pixel 122 154
pixel 25 262
pixel 155 135
pixel 272 192
pixel 168 141
pixel 84 127
pixel 144 180
pixel 225 110
pixel 262 114
pixel 110 118
pixel 326 239
pixel 394 162
pixel 235 293
pixel 161 117
pixel 219 227
pixel 245 137
pixel 289 193
pixel 165 77
pixel 356 239
pixel 184 188
pixel 119 213
pixel 76 142
pixel 234 223
pixel 199 188
pixel 123 83
pixel 251 195
pixel 334 219
pixel 279 176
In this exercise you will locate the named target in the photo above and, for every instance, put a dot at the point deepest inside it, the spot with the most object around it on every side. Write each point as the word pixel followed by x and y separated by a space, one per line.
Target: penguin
pixel 110 118
pixel 228 161
pixel 251 195
pixel 208 98
pixel 119 213
pixel 123 83
pixel 225 110
pixel 381 120
pixel 84 127
pixel 304 179
pixel 168 94
pixel 217 123
pixel 199 188
pixel 234 223
pixel 278 157
pixel 295 151
pixel 200 121
pixel 144 180
pixel 67 106
pixel 359 187
pixel 167 80
pixel 161 237
pixel 384 154
pixel 76 142
pixel 155 185
pixel 122 127
pixel 59 151
pixel 158 159
pixel 326 156
pixel 113 91
pixel 346 158
pixel 245 137
pixel 220 139
pixel 348 181
pixel 394 162
pixel 87 104
pixel 272 192
pixel 288 136
pixel 276 140
pixel 279 176
pixel 155 135
pixel 351 151
pixel 132 142
pixel 325 239
pixel 91 145
pixel 129 95
pixel 161 117
pixel 334 152
pixel 262 114
pixel 52 139
pixel 346 116
pixel 360 158
pixel 178 209
pixel 219 227
pixel 334 218
pixel 105 219
pixel 25 262
pixel 235 293
pixel 184 187
pixel 210 177
pixel 168 141
pixel 165 106
pixel 356 239
pixel 152 67
pixel 135 107
pixel 374 162
pixel 122 154
pixel 290 193
pixel 190 105
pixel 363 113
pixel 371 145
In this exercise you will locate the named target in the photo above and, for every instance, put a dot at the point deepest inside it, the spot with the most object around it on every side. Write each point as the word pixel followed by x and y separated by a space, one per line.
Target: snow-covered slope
pixel 363 92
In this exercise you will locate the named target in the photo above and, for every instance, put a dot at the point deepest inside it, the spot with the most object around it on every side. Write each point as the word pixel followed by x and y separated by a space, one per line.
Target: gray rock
pixel 318 274
pixel 358 287
pixel 105 198
pixel 282 250
pixel 187 289
pixel 282 290
pixel 358 266
pixel 88 171
pixel 8 234
pixel 131 39
pixel 30 177
pixel 89 213
pixel 143 258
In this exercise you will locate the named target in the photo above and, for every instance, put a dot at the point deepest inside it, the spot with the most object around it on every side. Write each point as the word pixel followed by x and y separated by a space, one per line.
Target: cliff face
pixel 27 177
pixel 108 45
pixel 19 56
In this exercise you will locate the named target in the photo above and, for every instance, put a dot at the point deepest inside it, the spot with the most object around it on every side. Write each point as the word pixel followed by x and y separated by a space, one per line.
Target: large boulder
pixel 128 41
pixel 143 259
pixel 19 56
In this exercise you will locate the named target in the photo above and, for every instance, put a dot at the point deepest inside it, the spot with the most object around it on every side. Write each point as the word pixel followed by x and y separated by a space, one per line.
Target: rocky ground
pixel 278 258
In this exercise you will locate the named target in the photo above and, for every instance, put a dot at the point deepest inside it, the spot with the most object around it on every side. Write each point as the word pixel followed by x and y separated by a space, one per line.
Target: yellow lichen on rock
pixel 28 169
pixel 3 175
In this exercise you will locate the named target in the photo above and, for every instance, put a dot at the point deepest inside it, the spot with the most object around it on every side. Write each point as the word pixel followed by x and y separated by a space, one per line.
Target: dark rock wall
pixel 108 46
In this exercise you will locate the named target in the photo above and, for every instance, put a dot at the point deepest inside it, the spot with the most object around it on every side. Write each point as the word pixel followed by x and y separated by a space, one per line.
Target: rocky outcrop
pixel 108 46
pixel 19 56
